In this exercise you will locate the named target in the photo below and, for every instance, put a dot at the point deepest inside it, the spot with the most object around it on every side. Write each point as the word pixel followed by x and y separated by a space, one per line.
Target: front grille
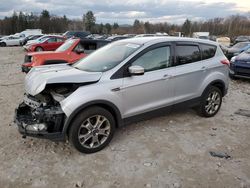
pixel 27 58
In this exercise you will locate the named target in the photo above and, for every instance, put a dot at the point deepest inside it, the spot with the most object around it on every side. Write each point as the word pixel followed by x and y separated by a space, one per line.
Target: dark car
pixel 78 34
pixel 31 37
pixel 240 65
pixel 116 38
pixel 242 39
pixel 237 49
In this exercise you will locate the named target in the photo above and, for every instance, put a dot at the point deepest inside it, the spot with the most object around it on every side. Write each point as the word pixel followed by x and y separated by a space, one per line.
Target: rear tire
pixel 232 77
pixel 210 102
pixel 92 130
pixel 39 49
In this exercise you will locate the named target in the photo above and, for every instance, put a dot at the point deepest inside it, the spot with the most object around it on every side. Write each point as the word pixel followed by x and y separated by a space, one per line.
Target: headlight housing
pixel 233 59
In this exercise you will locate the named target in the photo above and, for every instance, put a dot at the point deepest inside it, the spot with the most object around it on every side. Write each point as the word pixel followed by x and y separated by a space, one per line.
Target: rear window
pixel 208 51
pixel 187 54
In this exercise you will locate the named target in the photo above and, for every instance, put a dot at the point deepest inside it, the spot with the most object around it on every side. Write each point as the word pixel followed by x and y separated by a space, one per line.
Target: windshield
pixel 248 51
pixel 107 57
pixel 242 37
pixel 42 39
pixel 240 45
pixel 66 45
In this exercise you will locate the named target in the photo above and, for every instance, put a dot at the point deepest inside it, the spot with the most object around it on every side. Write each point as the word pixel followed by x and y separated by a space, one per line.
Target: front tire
pixel 92 130
pixel 3 44
pixel 39 49
pixel 210 102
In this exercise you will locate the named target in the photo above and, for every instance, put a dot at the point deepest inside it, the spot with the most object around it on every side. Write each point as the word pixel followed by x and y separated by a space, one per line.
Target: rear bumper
pixel 24 118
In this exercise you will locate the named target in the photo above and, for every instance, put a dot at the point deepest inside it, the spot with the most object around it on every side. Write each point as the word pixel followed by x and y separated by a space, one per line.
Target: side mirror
pixel 136 70
pixel 79 51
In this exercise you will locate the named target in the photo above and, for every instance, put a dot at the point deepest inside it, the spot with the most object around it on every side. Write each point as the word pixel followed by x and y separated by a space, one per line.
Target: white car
pixel 10 41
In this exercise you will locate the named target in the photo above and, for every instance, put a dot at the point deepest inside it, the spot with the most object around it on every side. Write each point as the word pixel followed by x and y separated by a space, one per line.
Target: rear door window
pixel 208 51
pixel 187 54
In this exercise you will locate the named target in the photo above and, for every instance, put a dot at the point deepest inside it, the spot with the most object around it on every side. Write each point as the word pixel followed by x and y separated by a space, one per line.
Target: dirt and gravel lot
pixel 169 151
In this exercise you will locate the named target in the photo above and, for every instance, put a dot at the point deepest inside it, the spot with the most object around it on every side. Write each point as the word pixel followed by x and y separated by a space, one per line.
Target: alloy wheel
pixel 213 102
pixel 94 131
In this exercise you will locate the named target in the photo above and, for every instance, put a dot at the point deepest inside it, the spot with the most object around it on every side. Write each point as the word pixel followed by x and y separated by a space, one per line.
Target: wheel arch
pixel 2 43
pixel 38 47
pixel 102 103
pixel 219 84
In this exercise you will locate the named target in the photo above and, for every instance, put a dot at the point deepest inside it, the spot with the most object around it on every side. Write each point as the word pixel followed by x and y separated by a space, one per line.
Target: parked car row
pixel 121 82
pixel 18 38
pixel 28 38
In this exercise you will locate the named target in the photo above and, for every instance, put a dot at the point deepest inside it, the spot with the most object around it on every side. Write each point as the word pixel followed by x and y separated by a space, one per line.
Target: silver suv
pixel 124 81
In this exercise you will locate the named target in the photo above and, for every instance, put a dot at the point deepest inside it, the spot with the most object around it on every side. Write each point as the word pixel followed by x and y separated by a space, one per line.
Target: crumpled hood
pixel 38 77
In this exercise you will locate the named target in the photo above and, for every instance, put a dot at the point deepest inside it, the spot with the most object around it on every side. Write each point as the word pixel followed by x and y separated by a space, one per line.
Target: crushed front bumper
pixel 41 122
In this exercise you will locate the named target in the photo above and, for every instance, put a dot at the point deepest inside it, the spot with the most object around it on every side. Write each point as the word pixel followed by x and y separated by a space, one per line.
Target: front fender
pixel 104 103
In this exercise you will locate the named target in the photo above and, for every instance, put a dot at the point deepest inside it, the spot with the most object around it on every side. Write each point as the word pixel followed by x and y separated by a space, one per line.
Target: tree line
pixel 231 26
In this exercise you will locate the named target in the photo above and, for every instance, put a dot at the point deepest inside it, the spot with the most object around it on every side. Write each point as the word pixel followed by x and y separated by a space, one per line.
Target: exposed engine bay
pixel 42 114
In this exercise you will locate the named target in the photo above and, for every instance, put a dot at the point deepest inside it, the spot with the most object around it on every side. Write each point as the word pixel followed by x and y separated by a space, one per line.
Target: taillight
pixel 225 62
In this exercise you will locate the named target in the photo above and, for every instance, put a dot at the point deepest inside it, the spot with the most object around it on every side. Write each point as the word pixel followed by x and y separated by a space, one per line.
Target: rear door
pixel 190 72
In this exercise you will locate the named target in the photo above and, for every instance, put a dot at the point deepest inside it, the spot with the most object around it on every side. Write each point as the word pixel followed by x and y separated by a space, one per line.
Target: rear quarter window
pixel 208 51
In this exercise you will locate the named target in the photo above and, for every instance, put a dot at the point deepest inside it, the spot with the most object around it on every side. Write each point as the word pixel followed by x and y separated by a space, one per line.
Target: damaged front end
pixel 41 115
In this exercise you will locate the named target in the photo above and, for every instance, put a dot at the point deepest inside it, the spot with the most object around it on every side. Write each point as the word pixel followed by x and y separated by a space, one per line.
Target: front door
pixel 152 90
pixel 49 44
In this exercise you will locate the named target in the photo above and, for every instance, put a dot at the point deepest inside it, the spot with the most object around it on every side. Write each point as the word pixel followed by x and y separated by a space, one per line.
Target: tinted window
pixel 100 44
pixel 59 40
pixel 187 54
pixel 50 40
pixel 208 51
pixel 89 47
pixel 155 59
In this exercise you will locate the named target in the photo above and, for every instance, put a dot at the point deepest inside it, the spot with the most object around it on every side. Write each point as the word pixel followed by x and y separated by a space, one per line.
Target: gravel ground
pixel 169 151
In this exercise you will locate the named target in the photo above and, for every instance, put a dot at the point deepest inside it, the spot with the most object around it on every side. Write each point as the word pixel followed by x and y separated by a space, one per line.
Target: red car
pixel 48 44
pixel 71 51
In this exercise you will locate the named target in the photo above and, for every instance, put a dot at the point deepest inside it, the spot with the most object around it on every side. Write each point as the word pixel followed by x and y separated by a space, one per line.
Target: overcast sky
pixel 126 11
